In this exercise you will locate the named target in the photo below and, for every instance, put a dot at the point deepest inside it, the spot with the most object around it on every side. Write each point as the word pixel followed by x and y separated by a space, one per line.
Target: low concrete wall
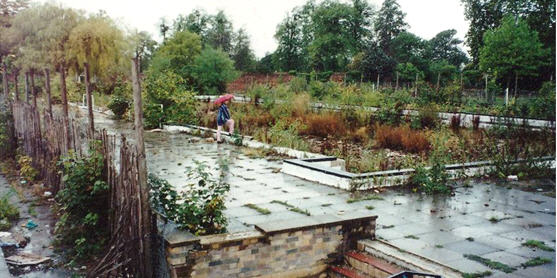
pixel 315 170
pixel 298 247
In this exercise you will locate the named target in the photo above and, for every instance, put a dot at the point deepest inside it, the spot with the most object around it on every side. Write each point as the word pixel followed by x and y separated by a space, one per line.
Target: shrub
pixel 26 169
pixel 401 138
pixel 428 118
pixel 300 104
pixel 84 203
pixel 286 134
pixel 119 104
pixel 432 180
pixel 361 135
pixel 8 212
pixel 183 109
pixel 324 125
pixel 7 132
pixel 298 84
pixel 200 208
pixel 153 115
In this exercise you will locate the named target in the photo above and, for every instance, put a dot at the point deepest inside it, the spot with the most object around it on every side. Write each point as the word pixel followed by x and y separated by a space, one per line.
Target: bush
pixel 286 135
pixel 212 69
pixel 199 209
pixel 298 84
pixel 8 212
pixel 324 125
pixel 84 203
pixel 119 104
pixel 153 115
pixel 401 138
pixel 7 132
pixel 432 180
pixel 26 169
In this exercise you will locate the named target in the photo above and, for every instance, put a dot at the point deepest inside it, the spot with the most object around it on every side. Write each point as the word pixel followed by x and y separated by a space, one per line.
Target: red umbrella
pixel 224 98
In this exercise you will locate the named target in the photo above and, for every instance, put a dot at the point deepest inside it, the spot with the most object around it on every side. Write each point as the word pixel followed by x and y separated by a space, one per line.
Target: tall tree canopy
pixel 244 59
pixel 512 50
pixel 389 24
pixel 445 46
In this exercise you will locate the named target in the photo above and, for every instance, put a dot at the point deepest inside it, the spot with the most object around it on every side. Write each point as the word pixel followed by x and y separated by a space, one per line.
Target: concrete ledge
pixel 304 223
pixel 309 169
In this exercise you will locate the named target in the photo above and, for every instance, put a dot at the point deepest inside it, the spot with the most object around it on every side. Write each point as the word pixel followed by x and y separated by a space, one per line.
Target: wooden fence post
pixel 47 89
pixel 5 80
pixel 33 93
pixel 16 85
pixel 65 115
pixel 148 231
pixel 27 86
pixel 89 102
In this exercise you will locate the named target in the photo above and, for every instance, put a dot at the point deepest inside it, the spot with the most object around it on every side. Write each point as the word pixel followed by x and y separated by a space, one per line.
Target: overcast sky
pixel 260 17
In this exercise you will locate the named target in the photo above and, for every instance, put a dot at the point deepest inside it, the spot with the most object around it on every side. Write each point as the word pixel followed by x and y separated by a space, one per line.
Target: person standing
pixel 224 119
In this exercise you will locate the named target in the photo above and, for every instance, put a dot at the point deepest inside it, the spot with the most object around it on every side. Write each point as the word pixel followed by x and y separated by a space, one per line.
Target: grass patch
pixel 470 238
pixel 370 207
pixel 258 209
pixel 494 219
pixel 537 244
pixel 364 198
pixel 438 246
pixel 477 274
pixel 292 208
pixel 491 264
pixel 388 226
pixel 8 213
pixel 412 237
pixel 326 205
pixel 536 261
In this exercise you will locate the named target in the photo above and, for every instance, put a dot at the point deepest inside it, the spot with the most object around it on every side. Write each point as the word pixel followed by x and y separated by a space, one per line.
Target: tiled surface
pixel 440 223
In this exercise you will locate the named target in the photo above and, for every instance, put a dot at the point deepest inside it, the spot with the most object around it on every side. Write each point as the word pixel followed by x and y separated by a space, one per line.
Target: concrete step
pixel 371 266
pixel 345 272
pixel 404 259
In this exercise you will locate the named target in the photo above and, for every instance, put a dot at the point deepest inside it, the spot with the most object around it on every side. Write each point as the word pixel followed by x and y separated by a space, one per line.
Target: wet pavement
pixel 486 219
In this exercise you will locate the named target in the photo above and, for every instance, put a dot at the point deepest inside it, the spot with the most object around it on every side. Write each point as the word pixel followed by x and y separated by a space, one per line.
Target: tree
pixel 409 72
pixel 331 47
pixel 409 48
pixel 360 24
pixel 375 62
pixel 177 54
pixel 485 15
pixel 389 24
pixel 143 47
pixel 196 22
pixel 96 44
pixel 512 50
pixel 265 64
pixel 244 59
pixel 289 53
pixel 8 10
pixel 212 69
pixel 219 35
pixel 444 46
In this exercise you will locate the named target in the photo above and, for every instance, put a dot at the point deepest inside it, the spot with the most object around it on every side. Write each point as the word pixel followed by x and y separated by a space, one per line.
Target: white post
pixel 506 96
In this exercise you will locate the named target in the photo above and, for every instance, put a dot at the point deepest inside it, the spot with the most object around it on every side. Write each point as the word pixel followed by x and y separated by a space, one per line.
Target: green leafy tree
pixel 177 54
pixel 409 48
pixel 512 50
pixel 195 22
pixel 244 59
pixel 220 33
pixel 360 24
pixel 375 62
pixel 212 69
pixel 290 50
pixel 143 46
pixel 444 46
pixel 265 64
pixel 408 72
pixel 332 45
pixel 389 24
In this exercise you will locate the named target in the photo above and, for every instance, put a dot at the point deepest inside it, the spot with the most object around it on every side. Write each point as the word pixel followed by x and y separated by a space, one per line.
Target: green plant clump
pixel 26 169
pixel 259 209
pixel 84 202
pixel 536 261
pixel 491 264
pixel 199 209
pixel 537 244
pixel 477 274
pixel 364 198
pixel 8 212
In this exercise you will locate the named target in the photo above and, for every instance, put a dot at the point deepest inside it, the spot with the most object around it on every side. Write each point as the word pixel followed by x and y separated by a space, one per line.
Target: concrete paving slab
pixel 467 247
pixel 506 258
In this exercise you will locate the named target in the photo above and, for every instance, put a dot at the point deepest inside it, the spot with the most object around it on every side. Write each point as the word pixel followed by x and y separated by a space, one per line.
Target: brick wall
pixel 295 248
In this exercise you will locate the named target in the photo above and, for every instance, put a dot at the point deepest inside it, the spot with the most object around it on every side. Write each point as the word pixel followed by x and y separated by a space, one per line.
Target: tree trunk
pixel 89 102
pixel 438 80
pixel 65 116
pixel 33 93
pixel 148 228
pixel 515 84
pixel 5 79
pixel 16 85
pixel 27 87
pixel 47 89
